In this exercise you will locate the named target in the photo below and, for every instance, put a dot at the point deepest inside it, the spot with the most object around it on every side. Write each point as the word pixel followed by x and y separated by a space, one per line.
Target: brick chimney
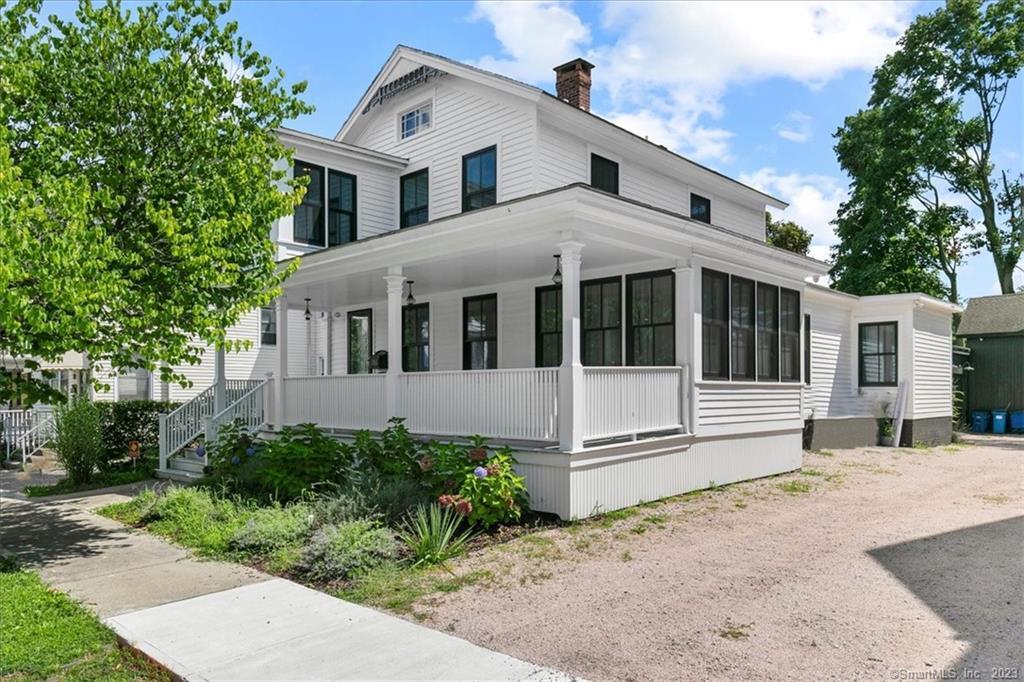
pixel 572 82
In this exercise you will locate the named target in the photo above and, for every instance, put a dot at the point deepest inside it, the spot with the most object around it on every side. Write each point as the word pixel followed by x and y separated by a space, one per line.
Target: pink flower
pixel 464 507
pixel 478 455
pixel 426 464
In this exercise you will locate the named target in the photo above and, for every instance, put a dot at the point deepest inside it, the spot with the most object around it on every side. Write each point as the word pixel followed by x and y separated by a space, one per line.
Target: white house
pixel 545 278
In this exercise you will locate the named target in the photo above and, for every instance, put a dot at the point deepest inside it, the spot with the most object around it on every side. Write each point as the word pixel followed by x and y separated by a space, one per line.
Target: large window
pixel 878 354
pixel 601 322
pixel 650 322
pixel 268 326
pixel 480 332
pixel 308 226
pixel 715 324
pixel 415 121
pixel 742 306
pixel 548 325
pixel 360 341
pixel 416 338
pixel 415 198
pixel 789 331
pixel 341 208
pixel 480 179
pixel 604 174
pixel 767 332
pixel 700 208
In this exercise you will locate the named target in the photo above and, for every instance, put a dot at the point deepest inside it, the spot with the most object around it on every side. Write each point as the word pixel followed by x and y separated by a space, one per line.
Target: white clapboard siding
pixel 356 401
pixel 724 408
pixel 466 118
pixel 517 404
pixel 933 366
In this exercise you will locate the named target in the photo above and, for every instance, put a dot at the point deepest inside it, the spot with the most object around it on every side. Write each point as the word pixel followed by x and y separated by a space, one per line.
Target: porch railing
pixel 40 431
pixel 184 424
pixel 234 389
pixel 632 400
pixel 518 404
pixel 248 409
pixel 13 424
pixel 349 401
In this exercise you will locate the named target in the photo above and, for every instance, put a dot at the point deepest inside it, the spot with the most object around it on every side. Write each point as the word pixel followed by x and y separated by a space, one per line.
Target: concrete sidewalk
pixel 210 620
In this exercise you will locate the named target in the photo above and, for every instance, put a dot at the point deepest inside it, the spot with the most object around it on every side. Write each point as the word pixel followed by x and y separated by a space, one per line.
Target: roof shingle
pixel 993 315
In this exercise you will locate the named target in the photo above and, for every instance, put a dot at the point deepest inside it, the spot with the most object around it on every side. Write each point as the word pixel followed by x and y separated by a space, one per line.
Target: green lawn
pixel 46 635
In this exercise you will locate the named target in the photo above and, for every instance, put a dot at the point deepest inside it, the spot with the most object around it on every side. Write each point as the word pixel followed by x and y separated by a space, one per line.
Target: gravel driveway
pixel 875 563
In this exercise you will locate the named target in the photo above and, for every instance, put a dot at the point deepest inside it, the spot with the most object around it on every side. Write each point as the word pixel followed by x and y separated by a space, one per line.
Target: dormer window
pixel 415 121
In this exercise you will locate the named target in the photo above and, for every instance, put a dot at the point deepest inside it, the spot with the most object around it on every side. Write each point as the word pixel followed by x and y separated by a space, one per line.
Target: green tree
pixel 929 128
pixel 786 234
pixel 139 178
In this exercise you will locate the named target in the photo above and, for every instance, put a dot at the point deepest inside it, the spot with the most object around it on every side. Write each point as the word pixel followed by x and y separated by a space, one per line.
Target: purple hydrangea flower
pixel 235 460
pixel 200 451
pixel 250 451
pixel 480 472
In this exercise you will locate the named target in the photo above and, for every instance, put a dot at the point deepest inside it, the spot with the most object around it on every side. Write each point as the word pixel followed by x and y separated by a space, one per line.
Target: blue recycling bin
pixel 999 421
pixel 1017 421
pixel 979 421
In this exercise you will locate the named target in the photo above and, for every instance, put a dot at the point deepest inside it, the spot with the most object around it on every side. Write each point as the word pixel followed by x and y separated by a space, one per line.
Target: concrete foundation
pixel 857 432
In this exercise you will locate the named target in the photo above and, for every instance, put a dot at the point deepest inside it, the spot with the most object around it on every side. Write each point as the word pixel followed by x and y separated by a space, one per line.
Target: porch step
pixel 185 467
pixel 178 475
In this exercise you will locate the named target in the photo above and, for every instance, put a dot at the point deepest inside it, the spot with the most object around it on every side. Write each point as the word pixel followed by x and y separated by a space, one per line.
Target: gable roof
pixel 529 91
pixel 993 315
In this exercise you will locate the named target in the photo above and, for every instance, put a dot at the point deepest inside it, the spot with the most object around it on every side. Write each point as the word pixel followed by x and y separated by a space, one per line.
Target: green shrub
pixel 299 459
pixel 128 420
pixel 431 534
pixel 341 551
pixel 392 453
pixel 270 528
pixel 197 518
pixel 78 439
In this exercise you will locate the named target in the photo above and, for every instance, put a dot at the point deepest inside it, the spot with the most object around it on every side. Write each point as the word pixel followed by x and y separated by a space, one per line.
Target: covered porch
pixel 483 338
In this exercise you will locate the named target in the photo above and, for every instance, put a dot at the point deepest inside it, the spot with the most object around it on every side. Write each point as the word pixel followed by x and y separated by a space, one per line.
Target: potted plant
pixel 885 434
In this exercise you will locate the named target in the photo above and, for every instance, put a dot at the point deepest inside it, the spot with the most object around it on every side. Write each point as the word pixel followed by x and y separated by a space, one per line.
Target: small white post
pixel 164 437
pixel 268 399
pixel 395 284
pixel 570 374
pixel 219 381
pixel 282 360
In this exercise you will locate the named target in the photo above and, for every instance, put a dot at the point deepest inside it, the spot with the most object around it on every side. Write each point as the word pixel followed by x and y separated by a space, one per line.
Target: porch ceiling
pixel 489 264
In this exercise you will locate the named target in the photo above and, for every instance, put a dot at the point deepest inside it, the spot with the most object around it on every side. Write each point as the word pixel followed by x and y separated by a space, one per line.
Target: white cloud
pixel 535 36
pixel 814 201
pixel 669 64
pixel 796 127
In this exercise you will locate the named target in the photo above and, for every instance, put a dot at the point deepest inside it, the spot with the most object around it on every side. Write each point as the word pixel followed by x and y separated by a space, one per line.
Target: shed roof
pixel 1002 314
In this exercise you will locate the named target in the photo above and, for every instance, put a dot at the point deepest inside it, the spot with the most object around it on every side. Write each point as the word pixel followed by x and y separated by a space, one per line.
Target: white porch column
pixel 684 312
pixel 219 385
pixel 282 360
pixel 395 284
pixel 570 375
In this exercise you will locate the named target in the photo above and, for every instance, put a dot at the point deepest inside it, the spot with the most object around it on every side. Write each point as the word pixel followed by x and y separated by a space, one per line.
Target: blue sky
pixel 754 90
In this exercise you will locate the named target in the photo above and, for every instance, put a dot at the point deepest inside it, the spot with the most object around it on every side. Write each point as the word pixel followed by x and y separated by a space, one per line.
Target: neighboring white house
pixel 545 278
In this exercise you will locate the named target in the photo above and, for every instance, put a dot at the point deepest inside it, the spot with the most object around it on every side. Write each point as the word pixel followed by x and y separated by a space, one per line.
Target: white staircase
pixel 200 418
pixel 25 433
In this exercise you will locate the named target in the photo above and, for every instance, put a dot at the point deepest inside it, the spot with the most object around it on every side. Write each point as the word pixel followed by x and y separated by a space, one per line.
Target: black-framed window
pixel 807 349
pixel 767 332
pixel 604 174
pixel 700 208
pixel 360 340
pixel 480 332
pixel 601 322
pixel 742 335
pixel 714 294
pixel 416 338
pixel 789 335
pixel 877 342
pixel 268 326
pixel 650 320
pixel 480 179
pixel 308 222
pixel 341 208
pixel 548 326
pixel 414 197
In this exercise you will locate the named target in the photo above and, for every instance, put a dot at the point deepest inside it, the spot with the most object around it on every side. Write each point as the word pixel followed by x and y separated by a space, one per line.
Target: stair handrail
pixel 249 407
pixel 33 440
pixel 185 423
